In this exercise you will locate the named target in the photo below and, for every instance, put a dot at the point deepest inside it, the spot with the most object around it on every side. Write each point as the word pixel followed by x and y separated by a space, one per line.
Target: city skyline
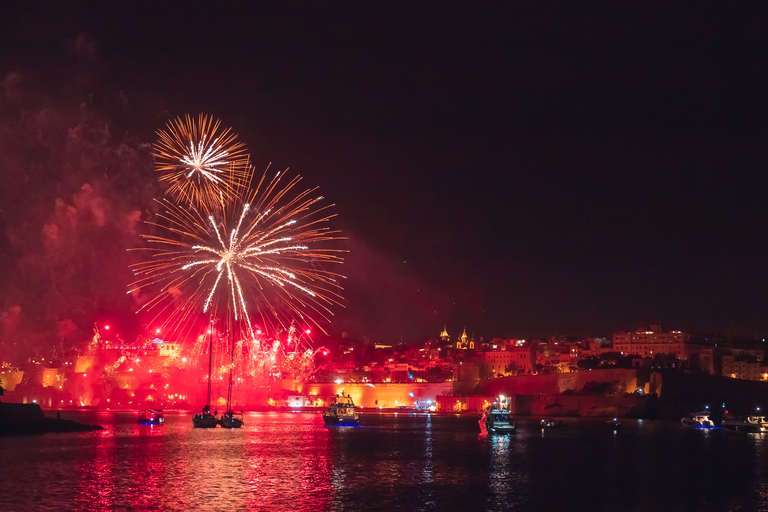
pixel 499 169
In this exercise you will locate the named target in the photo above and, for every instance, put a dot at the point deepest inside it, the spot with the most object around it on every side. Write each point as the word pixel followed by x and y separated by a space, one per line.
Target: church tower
pixel 463 342
pixel 445 340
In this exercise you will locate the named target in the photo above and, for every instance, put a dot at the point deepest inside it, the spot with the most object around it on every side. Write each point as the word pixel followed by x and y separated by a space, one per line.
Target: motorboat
pixel 231 419
pixel 614 424
pixel 150 417
pixel 548 423
pixel 341 413
pixel 746 424
pixel 496 419
pixel 205 419
pixel 698 420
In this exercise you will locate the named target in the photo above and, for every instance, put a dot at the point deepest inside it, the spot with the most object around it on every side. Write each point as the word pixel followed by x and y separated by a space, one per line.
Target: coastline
pixel 29 419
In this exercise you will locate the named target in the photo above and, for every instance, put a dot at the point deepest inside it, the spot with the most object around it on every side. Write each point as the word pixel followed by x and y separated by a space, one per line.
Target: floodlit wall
pixel 11 379
pixel 558 383
pixel 379 395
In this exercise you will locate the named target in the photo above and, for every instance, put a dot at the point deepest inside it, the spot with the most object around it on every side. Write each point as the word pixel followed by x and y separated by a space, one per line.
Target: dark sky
pixel 519 170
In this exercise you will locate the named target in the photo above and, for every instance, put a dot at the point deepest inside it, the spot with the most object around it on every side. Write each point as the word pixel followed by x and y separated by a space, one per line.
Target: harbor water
pixel 404 461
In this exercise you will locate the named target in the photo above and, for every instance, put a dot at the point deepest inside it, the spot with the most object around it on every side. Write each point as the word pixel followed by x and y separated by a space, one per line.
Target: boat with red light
pixel 150 417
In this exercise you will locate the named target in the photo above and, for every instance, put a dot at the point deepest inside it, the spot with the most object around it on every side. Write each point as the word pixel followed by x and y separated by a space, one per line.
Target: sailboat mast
pixel 231 362
pixel 210 360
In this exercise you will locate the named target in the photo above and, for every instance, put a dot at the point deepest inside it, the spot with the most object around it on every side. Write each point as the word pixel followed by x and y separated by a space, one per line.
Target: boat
pixel 150 417
pixel 548 423
pixel 746 424
pixel 697 420
pixel 230 419
pixel 496 419
pixel 341 413
pixel 205 419
pixel 614 424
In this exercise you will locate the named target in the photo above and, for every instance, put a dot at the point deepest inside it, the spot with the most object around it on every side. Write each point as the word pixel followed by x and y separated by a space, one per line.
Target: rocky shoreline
pixel 28 419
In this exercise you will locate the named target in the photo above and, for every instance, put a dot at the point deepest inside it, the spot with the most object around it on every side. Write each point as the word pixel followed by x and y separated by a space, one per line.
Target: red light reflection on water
pixel 146 467
pixel 277 461
pixel 98 479
pixel 293 471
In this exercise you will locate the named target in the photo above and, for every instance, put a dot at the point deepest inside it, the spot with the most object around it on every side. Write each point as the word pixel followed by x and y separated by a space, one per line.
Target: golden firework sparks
pixel 263 254
pixel 203 164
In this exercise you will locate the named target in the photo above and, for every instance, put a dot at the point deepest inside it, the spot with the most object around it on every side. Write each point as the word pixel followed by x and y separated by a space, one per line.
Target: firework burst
pixel 261 255
pixel 203 164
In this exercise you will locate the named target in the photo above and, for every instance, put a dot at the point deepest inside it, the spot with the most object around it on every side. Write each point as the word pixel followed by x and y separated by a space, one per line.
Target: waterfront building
pixel 743 366
pixel 508 359
pixel 653 341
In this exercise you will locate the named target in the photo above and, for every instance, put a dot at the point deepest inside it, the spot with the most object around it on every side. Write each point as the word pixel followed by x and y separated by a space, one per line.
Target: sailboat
pixel 231 419
pixel 205 419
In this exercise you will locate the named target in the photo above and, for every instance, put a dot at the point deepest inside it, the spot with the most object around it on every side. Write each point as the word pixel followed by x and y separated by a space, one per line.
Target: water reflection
pixel 408 462
pixel 96 470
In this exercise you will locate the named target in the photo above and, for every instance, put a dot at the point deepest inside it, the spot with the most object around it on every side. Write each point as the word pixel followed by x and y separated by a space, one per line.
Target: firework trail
pixel 261 255
pixel 203 165
pixel 283 355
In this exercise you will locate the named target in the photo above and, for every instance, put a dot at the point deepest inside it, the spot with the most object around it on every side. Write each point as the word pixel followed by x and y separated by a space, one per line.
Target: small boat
pixel 614 424
pixel 341 413
pixel 205 419
pixel 150 417
pixel 698 420
pixel 231 419
pixel 746 424
pixel 496 419
pixel 547 423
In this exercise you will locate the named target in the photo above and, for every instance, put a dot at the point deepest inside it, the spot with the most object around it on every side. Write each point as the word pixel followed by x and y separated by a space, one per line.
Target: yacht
pixel 231 419
pixel 150 417
pixel 496 419
pixel 698 420
pixel 746 424
pixel 341 413
pixel 205 419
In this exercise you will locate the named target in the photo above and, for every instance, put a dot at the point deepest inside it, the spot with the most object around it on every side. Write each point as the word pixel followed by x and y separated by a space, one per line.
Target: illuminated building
pixel 653 341
pixel 464 342
pixel 444 338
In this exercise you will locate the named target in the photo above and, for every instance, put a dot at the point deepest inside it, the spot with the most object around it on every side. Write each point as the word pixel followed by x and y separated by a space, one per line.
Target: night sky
pixel 519 170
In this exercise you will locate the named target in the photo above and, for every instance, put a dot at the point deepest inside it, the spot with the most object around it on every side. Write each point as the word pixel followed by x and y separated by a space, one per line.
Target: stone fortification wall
pixel 10 380
pixel 384 395
pixel 684 393
pixel 620 406
pixel 554 384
